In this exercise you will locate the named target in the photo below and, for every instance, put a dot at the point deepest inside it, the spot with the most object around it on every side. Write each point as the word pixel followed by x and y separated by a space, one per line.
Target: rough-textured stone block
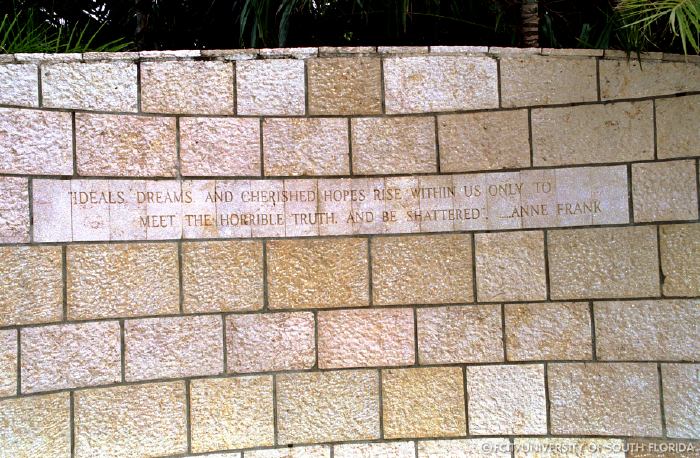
pixel 270 87
pixel 680 259
pixel 361 338
pixel 682 399
pixel 131 421
pixel 439 83
pixel 463 334
pixel 8 362
pixel 36 426
pixel 604 399
pixel 603 262
pixel 589 134
pixel 483 141
pixel 541 80
pixel 402 274
pixel 36 142
pixel 70 355
pixel 212 282
pixel 311 146
pixel 621 79
pixel 377 450
pixel 648 330
pixel 187 87
pixel 564 447
pixel 393 145
pixel 327 406
pixel 677 133
pixel 14 210
pixel 106 86
pixel 342 86
pixel 664 191
pixel 313 451
pixel 270 342
pixel 173 347
pixel 124 145
pixel 506 399
pixel 557 330
pixel 465 448
pixel 661 448
pixel 231 413
pixel 219 146
pixel 317 273
pixel 19 85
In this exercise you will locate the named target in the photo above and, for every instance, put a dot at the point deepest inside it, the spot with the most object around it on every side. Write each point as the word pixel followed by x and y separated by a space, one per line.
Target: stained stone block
pixel 664 191
pixel 630 78
pixel 680 259
pixel 19 85
pixel 14 210
pixel 8 362
pixel 341 86
pixel 270 87
pixel 681 384
pixel 676 129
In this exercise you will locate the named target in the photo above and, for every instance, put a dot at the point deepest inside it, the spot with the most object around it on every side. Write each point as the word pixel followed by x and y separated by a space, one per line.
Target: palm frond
pixel 683 18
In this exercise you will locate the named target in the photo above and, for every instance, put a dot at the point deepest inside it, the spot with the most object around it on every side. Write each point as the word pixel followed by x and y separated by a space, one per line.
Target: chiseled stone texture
pixel 565 447
pixel 363 338
pixel 664 191
pixel 628 78
pixel 219 146
pixel 676 127
pixel 8 362
pixel 306 146
pixel 231 413
pixel 70 355
pixel 125 145
pixel 548 331
pixel 603 262
pixel 222 276
pixel 400 449
pixel 465 448
pixel 31 285
pixel 14 210
pixel 36 142
pixel 107 86
pixel 270 342
pixel 328 406
pixel 342 86
pixel 36 427
pixel 19 85
pixel 484 141
pixel 439 83
pixel 313 451
pixel 648 330
pixel 187 87
pixel 507 399
pixel 510 266
pixel 270 87
pixel 589 134
pixel 460 334
pixel 403 274
pixel 317 273
pixel 607 399
pixel 393 145
pixel 682 399
pixel 144 420
pixel 542 80
pixel 680 259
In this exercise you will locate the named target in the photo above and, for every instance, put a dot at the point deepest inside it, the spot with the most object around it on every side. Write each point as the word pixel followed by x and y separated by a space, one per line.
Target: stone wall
pixel 445 251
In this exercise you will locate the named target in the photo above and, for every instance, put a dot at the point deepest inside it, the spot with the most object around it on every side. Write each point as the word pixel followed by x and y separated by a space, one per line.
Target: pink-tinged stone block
pixel 8 362
pixel 164 205
pixel 270 87
pixel 19 85
pixel 301 209
pixel 90 220
pixel 199 214
pixel 266 212
pixel 336 195
pixel 365 338
pixel 14 210
pixel 51 203
pixel 366 214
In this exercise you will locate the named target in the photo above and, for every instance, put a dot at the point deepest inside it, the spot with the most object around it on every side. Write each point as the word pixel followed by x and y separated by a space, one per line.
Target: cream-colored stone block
pixel 661 448
pixel 270 87
pixel 677 134
pixel 664 191
pixel 342 86
pixel 681 384
pixel 313 451
pixel 19 85
pixel 622 79
pixel 8 362
pixel 680 259
pixel 465 448
pixel 14 210
pixel 400 449
pixel 564 447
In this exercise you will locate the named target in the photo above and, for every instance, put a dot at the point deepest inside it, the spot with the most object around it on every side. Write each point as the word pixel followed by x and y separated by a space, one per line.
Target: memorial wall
pixel 349 252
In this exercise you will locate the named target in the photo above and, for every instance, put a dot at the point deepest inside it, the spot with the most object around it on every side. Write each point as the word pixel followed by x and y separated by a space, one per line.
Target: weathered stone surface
pixel 510 266
pixel 122 280
pixel 270 342
pixel 219 146
pixel 173 347
pixel 8 362
pixel 270 87
pixel 548 331
pixel 306 146
pixel 26 434
pixel 588 134
pixel 661 448
pixel 620 79
pixel 107 86
pixel 564 447
pixel 581 399
pixel 680 259
pixel 462 334
pixel 313 451
pixel 483 141
pixel 19 85
pixel 682 399
pixel 124 145
pixel 439 83
pixel 402 274
pixel 542 80
pixel 231 413
pixel 362 338
pixel 327 406
pixel 14 210
pixel 187 87
pixel 211 282
pixel 341 86
pixel 36 142
pixel 664 191
pixel 317 273
pixel 393 145
pixel 514 405
pixel 677 134
pixel 648 330
pixel 603 262
pixel 377 450
pixel 465 448
pixel 131 421
pixel 70 355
